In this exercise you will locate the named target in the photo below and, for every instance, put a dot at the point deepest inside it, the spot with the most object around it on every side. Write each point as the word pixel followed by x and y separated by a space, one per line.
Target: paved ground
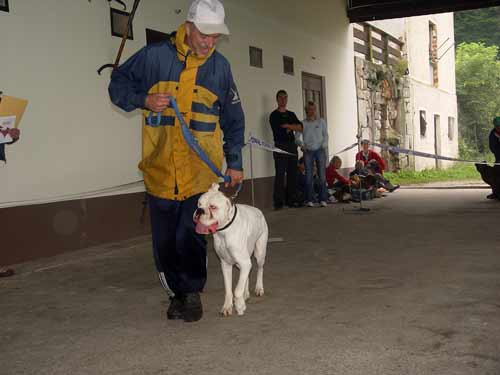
pixel 412 287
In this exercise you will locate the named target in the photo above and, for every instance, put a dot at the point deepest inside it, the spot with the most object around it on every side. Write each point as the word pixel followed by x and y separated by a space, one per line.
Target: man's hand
pixel 14 133
pixel 157 102
pixel 236 177
pixel 294 127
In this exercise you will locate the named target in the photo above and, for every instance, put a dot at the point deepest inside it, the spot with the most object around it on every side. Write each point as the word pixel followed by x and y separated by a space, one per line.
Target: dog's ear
pixel 229 204
pixel 214 187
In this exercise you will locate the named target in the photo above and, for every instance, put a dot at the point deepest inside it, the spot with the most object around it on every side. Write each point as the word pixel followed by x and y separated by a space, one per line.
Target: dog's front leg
pixel 227 272
pixel 239 291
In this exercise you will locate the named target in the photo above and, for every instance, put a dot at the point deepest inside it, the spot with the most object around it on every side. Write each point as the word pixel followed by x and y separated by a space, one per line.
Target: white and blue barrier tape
pixel 266 146
pixel 400 150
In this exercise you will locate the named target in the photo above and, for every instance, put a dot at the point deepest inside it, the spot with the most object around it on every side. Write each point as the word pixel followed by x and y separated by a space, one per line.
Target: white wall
pixel 418 49
pixel 394 26
pixel 433 102
pixel 73 140
pixel 440 101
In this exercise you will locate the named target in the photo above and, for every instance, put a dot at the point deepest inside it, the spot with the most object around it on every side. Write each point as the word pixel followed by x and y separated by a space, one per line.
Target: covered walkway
pixel 410 288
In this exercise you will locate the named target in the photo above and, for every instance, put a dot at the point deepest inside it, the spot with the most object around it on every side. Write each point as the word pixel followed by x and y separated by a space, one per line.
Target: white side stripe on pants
pixel 164 284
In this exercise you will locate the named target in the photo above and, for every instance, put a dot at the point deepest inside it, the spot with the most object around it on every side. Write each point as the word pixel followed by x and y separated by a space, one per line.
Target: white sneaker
pixel 323 204
pixel 310 204
pixel 332 199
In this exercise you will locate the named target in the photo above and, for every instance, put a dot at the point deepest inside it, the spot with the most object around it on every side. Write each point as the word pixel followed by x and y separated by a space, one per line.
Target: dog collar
pixel 228 224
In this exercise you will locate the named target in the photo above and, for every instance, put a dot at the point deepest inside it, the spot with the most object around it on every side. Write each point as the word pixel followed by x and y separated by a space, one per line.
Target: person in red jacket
pixel 336 181
pixel 366 155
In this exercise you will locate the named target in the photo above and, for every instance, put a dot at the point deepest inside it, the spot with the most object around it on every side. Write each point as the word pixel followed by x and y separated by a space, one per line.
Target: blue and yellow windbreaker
pixel 206 95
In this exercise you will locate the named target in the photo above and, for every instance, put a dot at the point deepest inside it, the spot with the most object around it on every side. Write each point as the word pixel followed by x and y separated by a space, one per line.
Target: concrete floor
pixel 412 287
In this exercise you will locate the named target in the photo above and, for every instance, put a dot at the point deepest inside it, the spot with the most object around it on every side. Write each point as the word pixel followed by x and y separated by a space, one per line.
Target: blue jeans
pixel 318 156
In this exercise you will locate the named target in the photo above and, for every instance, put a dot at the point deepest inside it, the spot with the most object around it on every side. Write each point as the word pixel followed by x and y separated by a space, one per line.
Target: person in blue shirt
pixel 313 140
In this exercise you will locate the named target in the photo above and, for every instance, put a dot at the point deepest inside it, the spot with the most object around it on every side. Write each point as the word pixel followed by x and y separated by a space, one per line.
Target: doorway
pixel 313 89
pixel 437 139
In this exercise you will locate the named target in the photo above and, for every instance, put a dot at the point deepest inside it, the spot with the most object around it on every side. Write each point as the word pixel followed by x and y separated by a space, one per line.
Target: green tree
pixel 479 25
pixel 478 92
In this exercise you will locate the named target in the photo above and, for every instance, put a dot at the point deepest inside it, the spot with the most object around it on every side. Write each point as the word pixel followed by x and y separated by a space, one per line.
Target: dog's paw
pixel 226 311
pixel 259 292
pixel 240 306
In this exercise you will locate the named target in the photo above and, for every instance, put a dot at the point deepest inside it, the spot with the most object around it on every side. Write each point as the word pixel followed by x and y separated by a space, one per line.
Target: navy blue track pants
pixel 180 253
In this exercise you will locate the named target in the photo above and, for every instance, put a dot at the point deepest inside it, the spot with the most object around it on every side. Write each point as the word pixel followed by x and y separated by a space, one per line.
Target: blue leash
pixel 191 141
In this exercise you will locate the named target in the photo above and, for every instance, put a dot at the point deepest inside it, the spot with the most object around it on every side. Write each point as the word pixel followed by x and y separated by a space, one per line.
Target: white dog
pixel 239 230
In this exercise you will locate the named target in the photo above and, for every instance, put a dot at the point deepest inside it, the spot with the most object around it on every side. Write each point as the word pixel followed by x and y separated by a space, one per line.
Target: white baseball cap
pixel 208 16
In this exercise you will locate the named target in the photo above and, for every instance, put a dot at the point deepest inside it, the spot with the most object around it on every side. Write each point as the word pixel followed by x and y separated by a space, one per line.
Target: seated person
pixel 302 183
pixel 335 181
pixel 359 169
pixel 381 182
pixel 362 178
pixel 366 154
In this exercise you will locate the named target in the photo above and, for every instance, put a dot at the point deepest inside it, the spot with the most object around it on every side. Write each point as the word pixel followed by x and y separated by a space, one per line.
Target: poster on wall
pixel 4 5
pixel 11 106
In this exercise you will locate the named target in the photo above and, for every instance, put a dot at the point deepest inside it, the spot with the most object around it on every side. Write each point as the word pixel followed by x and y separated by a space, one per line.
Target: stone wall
pixel 383 96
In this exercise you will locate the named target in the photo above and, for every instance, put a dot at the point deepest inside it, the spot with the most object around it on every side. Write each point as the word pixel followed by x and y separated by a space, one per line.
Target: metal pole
pixel 251 172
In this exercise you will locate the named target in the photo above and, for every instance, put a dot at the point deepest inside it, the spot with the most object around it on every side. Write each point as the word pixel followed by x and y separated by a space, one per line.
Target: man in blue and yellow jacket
pixel 188 68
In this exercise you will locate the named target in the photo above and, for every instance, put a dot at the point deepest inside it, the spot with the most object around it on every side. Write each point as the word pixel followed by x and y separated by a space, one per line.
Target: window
pixel 119 22
pixel 288 65
pixel 433 58
pixel 256 57
pixel 423 124
pixel 451 128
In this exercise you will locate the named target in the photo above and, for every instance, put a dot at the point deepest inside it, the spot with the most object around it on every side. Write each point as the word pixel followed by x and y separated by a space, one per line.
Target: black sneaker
pixel 394 188
pixel 174 311
pixel 491 196
pixel 192 310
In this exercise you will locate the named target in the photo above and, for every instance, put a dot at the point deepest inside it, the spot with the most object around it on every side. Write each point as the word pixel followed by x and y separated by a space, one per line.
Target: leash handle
pixel 153 121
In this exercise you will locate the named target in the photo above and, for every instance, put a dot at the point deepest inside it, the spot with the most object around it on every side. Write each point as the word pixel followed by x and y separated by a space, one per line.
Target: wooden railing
pixel 376 45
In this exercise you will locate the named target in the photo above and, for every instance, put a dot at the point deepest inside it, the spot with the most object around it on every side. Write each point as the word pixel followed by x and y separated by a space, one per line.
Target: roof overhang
pixel 370 10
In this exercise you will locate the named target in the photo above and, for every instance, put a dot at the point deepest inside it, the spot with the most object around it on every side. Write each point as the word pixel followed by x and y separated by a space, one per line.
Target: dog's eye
pixel 213 207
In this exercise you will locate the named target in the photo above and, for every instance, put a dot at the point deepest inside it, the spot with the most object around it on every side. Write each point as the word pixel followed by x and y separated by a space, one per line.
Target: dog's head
pixel 213 211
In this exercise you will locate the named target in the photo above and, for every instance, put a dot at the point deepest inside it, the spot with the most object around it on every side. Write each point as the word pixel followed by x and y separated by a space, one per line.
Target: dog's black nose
pixel 200 211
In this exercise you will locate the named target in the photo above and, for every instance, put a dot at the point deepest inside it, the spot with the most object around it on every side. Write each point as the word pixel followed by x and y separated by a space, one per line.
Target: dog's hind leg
pixel 260 256
pixel 227 273
pixel 239 298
